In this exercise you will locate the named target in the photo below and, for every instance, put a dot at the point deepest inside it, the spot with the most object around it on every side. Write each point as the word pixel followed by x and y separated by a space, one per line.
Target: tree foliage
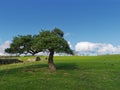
pixel 22 45
pixel 50 40
pixel 54 42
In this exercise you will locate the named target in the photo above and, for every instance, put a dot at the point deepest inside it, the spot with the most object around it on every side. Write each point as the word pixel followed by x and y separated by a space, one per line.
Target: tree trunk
pixel 50 61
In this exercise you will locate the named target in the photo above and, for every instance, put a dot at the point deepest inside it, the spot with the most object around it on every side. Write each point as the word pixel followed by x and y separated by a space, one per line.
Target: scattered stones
pixel 37 58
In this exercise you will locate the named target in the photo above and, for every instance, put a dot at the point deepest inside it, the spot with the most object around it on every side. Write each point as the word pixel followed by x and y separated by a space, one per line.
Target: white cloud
pixel 67 34
pixel 85 46
pixel 69 43
pixel 3 46
pixel 96 48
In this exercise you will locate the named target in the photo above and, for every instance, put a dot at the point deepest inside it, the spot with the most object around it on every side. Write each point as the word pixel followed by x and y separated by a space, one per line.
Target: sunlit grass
pixel 73 73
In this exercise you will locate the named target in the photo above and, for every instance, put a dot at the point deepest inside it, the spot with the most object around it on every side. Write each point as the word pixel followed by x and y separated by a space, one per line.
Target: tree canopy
pixel 22 45
pixel 50 40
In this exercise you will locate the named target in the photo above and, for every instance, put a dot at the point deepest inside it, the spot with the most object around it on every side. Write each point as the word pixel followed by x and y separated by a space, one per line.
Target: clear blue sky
pixel 81 20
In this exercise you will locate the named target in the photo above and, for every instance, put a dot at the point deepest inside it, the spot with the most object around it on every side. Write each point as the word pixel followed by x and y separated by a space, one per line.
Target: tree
pixel 54 42
pixel 22 45
pixel 46 40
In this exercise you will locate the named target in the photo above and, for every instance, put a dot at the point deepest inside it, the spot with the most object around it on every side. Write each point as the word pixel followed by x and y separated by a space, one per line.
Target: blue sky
pixel 96 21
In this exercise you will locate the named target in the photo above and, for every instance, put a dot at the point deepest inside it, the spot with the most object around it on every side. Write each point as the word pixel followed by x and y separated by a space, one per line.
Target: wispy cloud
pixel 3 46
pixel 70 45
pixel 67 34
pixel 96 48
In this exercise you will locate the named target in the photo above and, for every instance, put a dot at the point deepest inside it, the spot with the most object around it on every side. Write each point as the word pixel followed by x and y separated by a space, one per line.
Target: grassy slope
pixel 73 73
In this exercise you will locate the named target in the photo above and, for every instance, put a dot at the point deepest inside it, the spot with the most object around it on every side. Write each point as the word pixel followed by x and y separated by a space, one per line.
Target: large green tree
pixel 52 41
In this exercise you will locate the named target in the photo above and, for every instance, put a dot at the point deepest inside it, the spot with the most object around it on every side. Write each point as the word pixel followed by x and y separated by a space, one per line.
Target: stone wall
pixel 9 61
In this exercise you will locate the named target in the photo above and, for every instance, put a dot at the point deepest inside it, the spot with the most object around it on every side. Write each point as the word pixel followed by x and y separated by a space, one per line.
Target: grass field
pixel 73 73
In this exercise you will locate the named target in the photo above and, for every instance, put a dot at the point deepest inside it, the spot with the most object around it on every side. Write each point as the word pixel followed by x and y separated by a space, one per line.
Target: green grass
pixel 73 73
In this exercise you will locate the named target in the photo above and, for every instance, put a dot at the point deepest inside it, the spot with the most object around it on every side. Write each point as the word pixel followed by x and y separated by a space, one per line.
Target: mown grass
pixel 73 73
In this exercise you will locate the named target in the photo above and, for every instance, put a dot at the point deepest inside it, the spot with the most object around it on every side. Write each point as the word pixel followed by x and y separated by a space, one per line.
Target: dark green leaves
pixel 52 40
pixel 45 40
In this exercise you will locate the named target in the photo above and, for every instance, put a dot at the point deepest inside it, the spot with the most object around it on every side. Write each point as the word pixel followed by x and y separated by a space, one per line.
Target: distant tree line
pixel 50 40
